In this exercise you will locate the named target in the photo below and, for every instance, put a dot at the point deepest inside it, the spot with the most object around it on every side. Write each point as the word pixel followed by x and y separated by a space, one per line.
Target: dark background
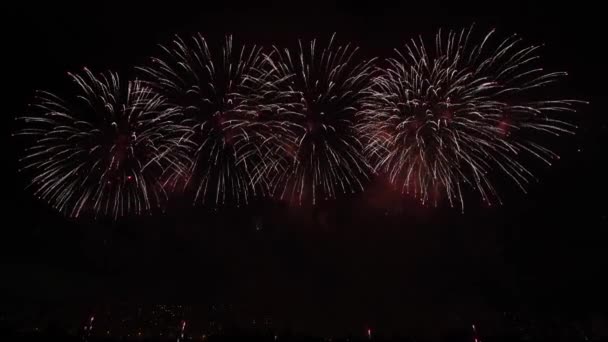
pixel 371 259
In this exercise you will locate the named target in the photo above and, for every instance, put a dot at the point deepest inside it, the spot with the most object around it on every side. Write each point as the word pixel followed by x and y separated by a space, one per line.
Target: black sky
pixel 370 259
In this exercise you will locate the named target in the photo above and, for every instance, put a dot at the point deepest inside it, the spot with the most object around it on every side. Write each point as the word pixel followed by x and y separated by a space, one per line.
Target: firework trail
pixel 103 151
pixel 220 94
pixel 317 151
pixel 457 114
pixel 88 329
pixel 475 335
pixel 182 328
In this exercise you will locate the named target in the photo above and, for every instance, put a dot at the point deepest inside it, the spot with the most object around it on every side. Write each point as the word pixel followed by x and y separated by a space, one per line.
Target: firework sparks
pixel 459 113
pixel 103 151
pixel 220 94
pixel 317 150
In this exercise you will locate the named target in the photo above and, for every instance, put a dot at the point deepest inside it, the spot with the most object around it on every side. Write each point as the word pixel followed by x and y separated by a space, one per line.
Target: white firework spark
pixel 104 151
pixel 459 113
pixel 317 152
pixel 220 95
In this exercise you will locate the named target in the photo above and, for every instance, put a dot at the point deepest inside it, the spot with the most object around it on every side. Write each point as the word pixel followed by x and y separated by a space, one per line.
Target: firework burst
pixel 318 153
pixel 458 114
pixel 220 95
pixel 103 151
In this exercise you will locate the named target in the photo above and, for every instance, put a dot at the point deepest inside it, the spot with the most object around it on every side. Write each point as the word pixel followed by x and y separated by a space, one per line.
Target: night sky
pixel 371 259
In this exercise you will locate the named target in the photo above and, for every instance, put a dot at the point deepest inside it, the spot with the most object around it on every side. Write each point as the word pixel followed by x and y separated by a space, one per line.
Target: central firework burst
pixel 447 117
pixel 318 151
pixel 220 94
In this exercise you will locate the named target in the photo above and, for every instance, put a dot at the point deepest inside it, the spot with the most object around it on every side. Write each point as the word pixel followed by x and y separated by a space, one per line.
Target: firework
pixel 220 94
pixel 318 153
pixel 104 150
pixel 456 115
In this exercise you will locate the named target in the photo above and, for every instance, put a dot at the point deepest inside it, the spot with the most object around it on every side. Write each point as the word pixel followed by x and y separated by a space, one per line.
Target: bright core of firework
pixel 317 151
pixel 104 151
pixel 459 113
